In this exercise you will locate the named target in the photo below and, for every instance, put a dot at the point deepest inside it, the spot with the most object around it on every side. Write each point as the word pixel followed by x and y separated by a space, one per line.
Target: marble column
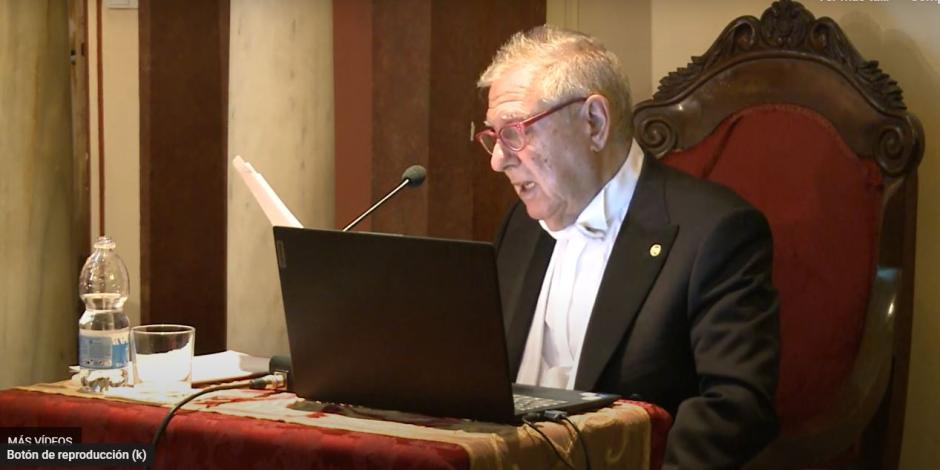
pixel 38 280
pixel 281 121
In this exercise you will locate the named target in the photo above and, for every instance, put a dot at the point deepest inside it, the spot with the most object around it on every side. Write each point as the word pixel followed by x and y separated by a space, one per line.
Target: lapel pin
pixel 656 249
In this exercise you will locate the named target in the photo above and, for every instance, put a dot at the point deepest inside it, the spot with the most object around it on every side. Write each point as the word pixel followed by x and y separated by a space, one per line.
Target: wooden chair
pixel 786 112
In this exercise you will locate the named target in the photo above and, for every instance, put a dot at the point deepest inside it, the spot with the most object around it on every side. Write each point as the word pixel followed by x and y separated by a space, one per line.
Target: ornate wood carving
pixel 787 26
pixel 786 31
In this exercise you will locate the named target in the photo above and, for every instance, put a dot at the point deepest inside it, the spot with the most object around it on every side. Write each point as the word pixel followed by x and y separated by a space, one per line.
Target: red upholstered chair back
pixel 823 204
pixel 784 111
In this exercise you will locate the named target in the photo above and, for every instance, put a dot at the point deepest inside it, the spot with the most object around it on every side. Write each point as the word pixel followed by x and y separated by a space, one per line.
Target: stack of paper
pixel 227 366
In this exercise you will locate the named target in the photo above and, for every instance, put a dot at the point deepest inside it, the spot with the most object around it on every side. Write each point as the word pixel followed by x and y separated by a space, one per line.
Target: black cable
pixel 258 383
pixel 551 443
pixel 587 458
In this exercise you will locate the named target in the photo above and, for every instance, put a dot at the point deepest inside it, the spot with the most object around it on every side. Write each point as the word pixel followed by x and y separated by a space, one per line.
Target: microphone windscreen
pixel 415 175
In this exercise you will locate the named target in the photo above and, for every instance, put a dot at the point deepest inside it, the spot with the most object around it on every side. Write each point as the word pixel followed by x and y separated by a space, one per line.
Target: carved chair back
pixel 786 112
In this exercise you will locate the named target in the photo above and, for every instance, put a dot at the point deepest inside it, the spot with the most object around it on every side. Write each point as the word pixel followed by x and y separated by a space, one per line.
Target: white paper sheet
pixel 275 209
pixel 227 365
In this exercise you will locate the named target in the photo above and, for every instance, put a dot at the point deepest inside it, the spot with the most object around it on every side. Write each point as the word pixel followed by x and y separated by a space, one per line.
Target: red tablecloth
pixel 200 439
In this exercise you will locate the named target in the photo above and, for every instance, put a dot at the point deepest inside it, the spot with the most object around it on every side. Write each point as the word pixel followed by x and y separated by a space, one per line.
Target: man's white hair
pixel 566 64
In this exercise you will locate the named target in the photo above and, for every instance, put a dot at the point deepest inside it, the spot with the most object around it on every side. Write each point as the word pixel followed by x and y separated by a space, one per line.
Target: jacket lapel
pixel 633 266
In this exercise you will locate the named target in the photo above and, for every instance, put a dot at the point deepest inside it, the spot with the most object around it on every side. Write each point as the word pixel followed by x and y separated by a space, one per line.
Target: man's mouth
pixel 524 188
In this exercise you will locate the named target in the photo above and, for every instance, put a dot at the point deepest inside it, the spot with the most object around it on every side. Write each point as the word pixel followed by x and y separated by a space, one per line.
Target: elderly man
pixel 622 275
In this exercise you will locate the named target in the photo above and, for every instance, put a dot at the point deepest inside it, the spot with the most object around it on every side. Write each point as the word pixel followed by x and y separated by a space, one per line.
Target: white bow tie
pixel 581 229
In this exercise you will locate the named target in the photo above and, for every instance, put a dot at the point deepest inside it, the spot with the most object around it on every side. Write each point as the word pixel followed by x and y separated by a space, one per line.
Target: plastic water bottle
pixel 103 347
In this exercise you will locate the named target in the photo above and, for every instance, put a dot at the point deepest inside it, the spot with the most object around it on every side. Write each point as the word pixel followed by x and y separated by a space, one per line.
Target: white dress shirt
pixel 574 274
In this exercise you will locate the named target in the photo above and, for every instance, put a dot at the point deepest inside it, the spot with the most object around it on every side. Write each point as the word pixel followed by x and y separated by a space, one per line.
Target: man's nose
pixel 500 160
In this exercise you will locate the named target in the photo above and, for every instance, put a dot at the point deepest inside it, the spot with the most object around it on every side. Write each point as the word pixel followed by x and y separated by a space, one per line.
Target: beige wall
pixel 904 36
pixel 623 26
pixel 121 138
pixel 281 121
pixel 38 282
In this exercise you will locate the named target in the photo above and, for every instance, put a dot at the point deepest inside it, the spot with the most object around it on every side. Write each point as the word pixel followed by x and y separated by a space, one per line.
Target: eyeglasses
pixel 512 136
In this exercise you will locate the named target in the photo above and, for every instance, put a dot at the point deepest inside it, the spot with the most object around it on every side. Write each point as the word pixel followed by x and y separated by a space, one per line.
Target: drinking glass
pixel 162 356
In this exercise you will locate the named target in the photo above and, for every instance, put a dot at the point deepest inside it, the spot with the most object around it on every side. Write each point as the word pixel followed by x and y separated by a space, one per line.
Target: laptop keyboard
pixel 524 403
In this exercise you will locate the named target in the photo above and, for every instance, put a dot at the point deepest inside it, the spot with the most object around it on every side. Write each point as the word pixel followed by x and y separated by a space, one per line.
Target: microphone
pixel 413 176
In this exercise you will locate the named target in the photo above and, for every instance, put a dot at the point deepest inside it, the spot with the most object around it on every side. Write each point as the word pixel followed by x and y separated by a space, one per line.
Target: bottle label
pixel 102 351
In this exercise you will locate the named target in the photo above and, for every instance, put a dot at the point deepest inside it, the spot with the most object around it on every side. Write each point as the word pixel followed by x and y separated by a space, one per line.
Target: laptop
pixel 404 323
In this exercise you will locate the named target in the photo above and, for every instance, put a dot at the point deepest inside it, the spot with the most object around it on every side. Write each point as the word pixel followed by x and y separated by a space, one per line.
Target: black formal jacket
pixel 685 316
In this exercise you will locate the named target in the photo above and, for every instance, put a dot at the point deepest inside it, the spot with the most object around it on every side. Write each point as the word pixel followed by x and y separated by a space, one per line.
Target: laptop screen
pixel 394 322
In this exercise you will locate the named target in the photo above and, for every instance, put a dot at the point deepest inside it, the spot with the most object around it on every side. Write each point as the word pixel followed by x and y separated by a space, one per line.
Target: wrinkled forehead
pixel 511 96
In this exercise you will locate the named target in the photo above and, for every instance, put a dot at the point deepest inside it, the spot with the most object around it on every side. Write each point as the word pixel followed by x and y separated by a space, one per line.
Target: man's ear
pixel 597 113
